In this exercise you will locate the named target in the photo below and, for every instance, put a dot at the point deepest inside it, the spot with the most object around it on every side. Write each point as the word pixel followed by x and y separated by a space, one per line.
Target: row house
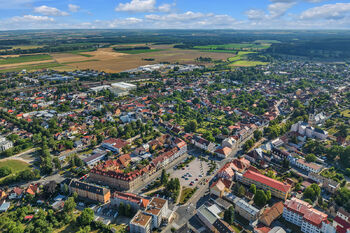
pixel 203 143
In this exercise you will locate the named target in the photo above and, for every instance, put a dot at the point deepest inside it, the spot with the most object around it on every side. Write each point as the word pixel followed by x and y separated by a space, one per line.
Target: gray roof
pixel 247 207
pixel 207 214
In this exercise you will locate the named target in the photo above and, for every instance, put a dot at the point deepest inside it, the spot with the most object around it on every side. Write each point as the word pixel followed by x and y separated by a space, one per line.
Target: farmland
pixel 110 60
pixel 22 59
pixel 241 59
pixel 234 47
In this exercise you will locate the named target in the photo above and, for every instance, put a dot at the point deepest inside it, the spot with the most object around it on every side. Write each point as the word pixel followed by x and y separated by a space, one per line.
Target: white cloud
pixel 73 8
pixel 327 11
pixel 190 19
pixel 50 11
pixel 279 8
pixel 143 6
pixel 32 18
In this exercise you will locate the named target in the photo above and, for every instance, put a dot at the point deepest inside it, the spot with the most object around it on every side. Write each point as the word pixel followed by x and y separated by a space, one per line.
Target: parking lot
pixel 193 172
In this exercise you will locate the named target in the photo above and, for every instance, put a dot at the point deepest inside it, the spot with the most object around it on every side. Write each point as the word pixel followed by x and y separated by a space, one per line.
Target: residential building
pixel 305 216
pixel 246 210
pixel 302 164
pixel 207 217
pixel 304 129
pixel 203 143
pixel 277 188
pixel 141 223
pixel 90 191
pixel 223 152
pixel 158 209
pixel 221 226
pixel 115 145
pixel 271 214
pixel 229 142
pixel 328 184
pixel 221 186
pixel 5 144
pixel 96 157
pixel 342 221
pixel 136 202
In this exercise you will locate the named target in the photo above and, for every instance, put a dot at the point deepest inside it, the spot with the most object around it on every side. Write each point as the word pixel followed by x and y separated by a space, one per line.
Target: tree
pixel 69 205
pixel 128 210
pixel 86 217
pixel 229 215
pixel 268 195
pixel 312 192
pixel 310 158
pixel 191 126
pixel 252 189
pixel 258 135
pixel 297 187
pixel 241 191
pixel 121 209
pixel 57 163
pixel 164 177
pixel 5 171
pixel 260 198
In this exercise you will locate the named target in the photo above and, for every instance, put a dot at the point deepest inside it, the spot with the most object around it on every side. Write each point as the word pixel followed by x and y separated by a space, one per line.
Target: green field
pixel 21 59
pixel 241 60
pixel 15 166
pixel 139 51
pixel 74 62
pixel 32 67
pixel 248 63
pixel 81 52
pixel 234 46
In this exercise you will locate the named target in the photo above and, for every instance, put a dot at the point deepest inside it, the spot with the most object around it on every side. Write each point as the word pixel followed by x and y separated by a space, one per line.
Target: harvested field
pixel 108 60
pixel 111 61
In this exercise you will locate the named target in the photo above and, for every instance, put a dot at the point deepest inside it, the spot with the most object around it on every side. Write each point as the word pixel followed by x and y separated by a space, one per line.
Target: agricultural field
pixel 139 51
pixel 31 67
pixel 235 47
pixel 24 58
pixel 23 47
pixel 109 60
pixel 241 60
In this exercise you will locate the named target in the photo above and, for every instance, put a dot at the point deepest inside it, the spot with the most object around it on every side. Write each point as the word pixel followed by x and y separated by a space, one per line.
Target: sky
pixel 174 14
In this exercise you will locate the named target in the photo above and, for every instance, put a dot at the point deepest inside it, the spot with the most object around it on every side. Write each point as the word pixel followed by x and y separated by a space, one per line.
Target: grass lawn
pixel 186 194
pixel 119 228
pixel 24 58
pixel 138 51
pixel 15 165
pixel 32 67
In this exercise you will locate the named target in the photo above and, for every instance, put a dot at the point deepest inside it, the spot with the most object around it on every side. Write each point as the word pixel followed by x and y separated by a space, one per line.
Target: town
pixel 177 149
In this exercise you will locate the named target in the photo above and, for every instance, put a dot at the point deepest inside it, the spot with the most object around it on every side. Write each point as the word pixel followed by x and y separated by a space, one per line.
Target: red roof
pixel 342 225
pixel 267 181
pixel 304 209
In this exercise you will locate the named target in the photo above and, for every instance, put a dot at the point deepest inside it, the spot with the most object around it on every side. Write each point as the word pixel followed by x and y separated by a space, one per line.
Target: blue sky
pixel 177 14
